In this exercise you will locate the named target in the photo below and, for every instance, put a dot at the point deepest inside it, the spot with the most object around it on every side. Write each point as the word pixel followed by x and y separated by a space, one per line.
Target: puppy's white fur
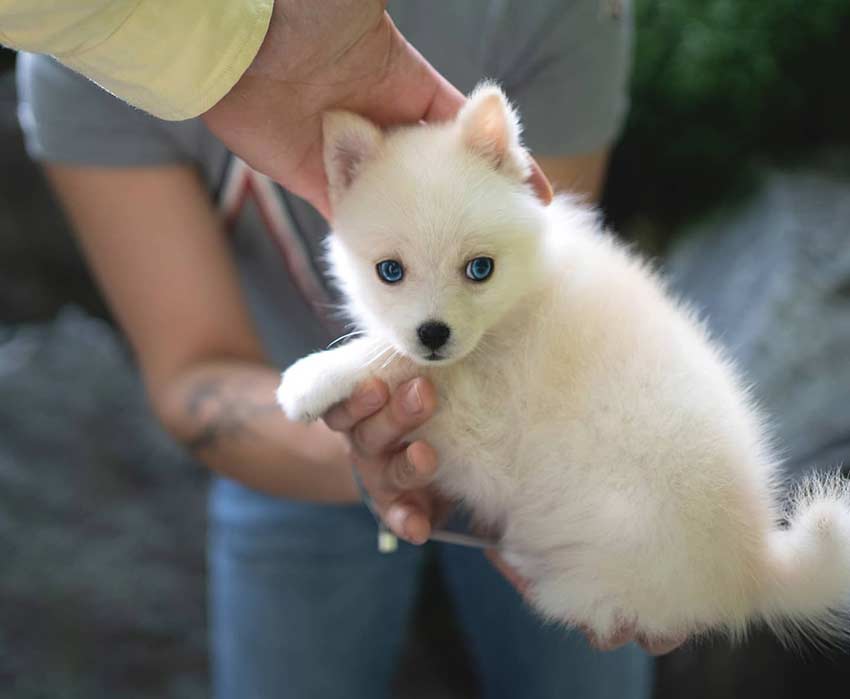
pixel 583 413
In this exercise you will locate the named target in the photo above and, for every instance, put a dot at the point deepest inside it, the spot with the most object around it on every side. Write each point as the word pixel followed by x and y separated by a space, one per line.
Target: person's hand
pixel 395 473
pixel 335 54
pixel 627 633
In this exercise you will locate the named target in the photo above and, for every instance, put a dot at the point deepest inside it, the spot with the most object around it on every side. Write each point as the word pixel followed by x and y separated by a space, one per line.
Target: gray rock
pixel 101 525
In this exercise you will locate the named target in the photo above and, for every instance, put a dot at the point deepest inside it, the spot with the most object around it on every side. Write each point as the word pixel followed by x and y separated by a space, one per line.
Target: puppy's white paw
pixel 309 388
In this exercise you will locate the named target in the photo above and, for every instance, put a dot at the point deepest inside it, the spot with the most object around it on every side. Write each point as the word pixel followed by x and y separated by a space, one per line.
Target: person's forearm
pixel 226 414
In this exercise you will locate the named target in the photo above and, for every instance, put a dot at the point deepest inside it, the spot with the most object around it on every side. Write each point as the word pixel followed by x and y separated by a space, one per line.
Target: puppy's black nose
pixel 433 334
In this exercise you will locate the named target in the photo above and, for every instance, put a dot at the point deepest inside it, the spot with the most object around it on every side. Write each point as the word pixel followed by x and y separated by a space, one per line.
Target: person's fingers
pixel 312 182
pixel 445 102
pixel 366 400
pixel 409 516
pixel 439 100
pixel 411 90
pixel 413 467
pixel 660 646
pixel 623 635
pixel 410 405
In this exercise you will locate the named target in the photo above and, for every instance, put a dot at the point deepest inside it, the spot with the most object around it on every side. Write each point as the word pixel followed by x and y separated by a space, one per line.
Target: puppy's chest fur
pixel 486 413
pixel 478 434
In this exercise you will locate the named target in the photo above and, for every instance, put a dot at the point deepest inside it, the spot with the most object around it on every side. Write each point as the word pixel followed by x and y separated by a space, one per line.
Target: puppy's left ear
pixel 350 141
pixel 490 128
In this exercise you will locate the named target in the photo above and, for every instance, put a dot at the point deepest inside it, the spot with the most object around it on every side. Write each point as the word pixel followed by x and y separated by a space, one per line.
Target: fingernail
pixel 412 401
pixel 396 517
pixel 415 534
pixel 402 521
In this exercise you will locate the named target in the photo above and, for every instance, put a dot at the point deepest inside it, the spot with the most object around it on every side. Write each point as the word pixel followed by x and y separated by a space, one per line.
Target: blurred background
pixel 733 169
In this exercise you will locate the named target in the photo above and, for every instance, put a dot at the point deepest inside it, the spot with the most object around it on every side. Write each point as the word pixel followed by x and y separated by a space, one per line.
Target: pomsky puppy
pixel 583 413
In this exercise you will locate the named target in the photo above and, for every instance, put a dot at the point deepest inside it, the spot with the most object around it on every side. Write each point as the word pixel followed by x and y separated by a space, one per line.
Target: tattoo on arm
pixel 224 412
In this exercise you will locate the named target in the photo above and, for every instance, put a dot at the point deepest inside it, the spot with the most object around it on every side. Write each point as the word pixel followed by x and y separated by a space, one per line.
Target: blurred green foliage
pixel 719 87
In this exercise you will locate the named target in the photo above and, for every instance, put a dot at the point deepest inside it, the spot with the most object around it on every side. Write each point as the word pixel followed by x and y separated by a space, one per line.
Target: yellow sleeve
pixel 172 58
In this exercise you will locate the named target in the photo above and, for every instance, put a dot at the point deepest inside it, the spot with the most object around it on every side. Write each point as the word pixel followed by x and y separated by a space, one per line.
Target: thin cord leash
pixel 388 542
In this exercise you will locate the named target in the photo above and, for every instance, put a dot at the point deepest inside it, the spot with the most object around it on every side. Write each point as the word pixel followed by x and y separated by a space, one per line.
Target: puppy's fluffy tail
pixel 808 586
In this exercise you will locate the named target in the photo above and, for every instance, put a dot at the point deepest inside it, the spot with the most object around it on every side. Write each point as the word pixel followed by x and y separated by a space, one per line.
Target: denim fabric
pixel 303 606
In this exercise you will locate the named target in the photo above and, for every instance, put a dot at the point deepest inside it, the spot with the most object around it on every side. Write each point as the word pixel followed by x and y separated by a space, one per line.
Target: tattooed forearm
pixel 226 412
pixel 222 410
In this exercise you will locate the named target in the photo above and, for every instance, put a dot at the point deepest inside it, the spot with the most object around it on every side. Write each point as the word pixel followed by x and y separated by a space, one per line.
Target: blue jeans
pixel 302 605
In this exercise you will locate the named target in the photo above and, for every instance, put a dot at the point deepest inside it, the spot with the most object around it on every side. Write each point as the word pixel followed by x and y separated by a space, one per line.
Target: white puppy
pixel 584 414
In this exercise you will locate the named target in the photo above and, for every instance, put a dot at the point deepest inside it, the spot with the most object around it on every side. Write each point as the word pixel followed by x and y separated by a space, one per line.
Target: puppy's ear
pixel 349 142
pixel 490 127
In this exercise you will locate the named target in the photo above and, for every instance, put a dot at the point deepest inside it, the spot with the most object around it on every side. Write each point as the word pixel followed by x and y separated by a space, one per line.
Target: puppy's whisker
pixel 344 337
pixel 374 358
pixel 379 353
pixel 395 354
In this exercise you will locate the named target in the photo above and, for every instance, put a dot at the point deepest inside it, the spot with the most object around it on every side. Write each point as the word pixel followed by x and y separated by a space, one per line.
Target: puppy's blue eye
pixel 479 268
pixel 390 271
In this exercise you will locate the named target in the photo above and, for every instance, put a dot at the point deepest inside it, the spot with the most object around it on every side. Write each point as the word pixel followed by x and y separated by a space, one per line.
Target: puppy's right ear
pixel 350 141
pixel 490 128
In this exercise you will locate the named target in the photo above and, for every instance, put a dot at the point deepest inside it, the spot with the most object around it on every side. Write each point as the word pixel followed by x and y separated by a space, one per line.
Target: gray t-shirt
pixel 563 62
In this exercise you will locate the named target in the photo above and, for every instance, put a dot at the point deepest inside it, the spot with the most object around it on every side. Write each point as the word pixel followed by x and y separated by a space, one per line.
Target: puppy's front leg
pixel 315 383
